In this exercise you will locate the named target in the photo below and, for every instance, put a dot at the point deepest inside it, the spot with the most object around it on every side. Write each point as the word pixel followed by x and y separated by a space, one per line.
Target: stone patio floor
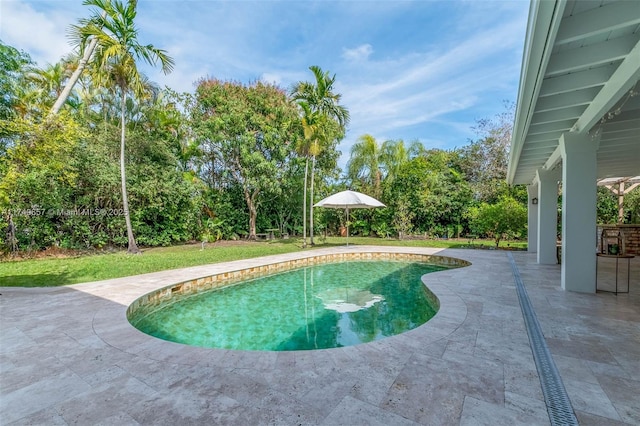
pixel 69 356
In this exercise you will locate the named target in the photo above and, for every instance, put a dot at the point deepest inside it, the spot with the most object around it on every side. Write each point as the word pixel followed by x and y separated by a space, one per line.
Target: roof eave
pixel 542 29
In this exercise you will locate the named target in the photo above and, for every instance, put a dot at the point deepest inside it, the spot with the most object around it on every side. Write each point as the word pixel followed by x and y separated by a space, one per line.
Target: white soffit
pixel 580 73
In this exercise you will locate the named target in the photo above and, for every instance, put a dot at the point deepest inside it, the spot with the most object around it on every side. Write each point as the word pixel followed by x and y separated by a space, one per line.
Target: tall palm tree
pixel 116 52
pixel 320 99
pixel 312 126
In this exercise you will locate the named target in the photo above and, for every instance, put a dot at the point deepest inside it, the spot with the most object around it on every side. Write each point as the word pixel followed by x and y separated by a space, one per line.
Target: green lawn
pixel 49 272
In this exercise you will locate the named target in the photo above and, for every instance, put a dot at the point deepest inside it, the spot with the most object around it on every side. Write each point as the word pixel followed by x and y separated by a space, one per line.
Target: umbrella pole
pixel 347 226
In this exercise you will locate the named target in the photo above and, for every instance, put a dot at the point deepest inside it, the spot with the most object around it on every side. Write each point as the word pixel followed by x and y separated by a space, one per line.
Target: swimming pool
pixel 314 307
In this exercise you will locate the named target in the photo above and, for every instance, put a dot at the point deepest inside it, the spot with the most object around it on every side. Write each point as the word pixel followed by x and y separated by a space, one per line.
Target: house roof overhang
pixel 580 73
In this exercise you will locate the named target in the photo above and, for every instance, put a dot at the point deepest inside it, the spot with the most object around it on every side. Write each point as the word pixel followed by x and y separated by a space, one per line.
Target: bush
pixel 507 218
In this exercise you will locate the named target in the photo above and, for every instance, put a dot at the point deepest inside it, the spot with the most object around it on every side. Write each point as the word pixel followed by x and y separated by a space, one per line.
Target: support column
pixel 579 173
pixel 532 219
pixel 547 216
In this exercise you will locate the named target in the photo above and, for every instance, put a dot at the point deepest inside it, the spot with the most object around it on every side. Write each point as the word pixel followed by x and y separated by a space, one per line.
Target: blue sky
pixel 408 70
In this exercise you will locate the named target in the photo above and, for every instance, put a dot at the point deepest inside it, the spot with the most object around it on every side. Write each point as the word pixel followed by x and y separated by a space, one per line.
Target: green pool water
pixel 317 307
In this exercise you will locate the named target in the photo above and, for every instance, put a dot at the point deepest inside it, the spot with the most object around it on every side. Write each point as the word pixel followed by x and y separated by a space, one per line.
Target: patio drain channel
pixel 555 395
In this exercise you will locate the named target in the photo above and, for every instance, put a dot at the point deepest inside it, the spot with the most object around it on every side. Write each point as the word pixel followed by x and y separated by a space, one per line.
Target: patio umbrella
pixel 349 200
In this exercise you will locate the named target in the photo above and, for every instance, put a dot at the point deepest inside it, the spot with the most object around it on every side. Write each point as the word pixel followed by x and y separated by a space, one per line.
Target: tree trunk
pixel 304 205
pixel 313 166
pixel 64 95
pixel 12 242
pixel 253 212
pixel 132 247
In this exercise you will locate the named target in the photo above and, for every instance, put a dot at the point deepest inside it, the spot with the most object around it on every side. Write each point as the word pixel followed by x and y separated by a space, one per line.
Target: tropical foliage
pixel 111 31
pixel 247 135
pixel 94 163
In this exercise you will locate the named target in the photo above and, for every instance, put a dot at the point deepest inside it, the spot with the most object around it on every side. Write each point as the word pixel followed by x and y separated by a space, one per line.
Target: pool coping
pixel 156 298
pixel 112 326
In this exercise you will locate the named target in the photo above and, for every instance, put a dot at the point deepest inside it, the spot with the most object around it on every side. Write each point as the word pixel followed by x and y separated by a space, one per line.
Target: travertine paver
pixel 69 356
pixel 594 339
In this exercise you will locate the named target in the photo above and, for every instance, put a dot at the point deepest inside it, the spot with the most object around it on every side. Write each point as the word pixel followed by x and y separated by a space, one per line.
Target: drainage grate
pixel 555 395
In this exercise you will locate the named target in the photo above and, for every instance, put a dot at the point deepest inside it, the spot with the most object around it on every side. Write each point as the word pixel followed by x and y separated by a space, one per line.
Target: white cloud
pixel 360 53
pixel 435 94
pixel 421 87
pixel 41 34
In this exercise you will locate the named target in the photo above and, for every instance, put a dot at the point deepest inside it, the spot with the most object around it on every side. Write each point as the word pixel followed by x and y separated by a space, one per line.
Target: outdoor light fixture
pixel 534 201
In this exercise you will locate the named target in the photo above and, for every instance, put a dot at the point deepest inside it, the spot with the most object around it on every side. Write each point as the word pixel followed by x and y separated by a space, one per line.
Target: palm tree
pixel 50 81
pixel 393 155
pixel 116 52
pixel 86 50
pixel 28 99
pixel 371 164
pixel 322 105
pixel 312 127
pixel 364 163
pixel 416 149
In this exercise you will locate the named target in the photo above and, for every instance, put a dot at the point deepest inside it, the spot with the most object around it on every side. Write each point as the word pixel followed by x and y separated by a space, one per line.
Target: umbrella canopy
pixel 349 200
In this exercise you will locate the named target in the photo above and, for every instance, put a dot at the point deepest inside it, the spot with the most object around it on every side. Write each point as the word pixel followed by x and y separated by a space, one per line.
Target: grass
pixel 50 272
